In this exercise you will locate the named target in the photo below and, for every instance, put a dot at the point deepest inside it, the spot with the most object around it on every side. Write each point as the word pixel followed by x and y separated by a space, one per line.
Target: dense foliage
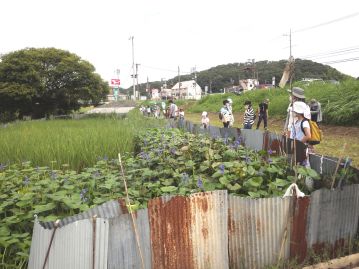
pixel 165 161
pixel 227 75
pixel 38 82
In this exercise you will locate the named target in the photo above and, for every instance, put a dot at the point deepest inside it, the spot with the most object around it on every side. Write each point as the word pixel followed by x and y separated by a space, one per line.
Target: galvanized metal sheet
pixel 253 139
pixel 214 131
pixel 185 231
pixel 333 216
pixel 123 249
pixel 109 209
pixel 72 246
pixel 257 230
pixel 209 229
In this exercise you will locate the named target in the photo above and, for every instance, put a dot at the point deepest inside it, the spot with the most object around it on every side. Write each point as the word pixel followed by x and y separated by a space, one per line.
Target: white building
pixel 249 84
pixel 187 90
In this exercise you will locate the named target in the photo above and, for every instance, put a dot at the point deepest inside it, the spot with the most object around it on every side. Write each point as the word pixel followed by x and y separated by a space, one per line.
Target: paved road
pixel 108 110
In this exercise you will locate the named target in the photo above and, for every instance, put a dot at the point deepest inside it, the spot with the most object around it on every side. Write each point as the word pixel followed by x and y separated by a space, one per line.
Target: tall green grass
pixel 340 105
pixel 73 143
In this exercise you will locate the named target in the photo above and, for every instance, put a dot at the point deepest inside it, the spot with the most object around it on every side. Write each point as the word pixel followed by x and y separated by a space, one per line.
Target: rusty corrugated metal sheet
pixel 209 229
pixel 298 239
pixel 72 246
pixel 123 251
pixel 257 230
pixel 107 210
pixel 185 231
pixel 332 217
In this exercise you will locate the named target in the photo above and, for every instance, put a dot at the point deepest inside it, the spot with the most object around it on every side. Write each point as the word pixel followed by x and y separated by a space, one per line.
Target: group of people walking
pixel 226 114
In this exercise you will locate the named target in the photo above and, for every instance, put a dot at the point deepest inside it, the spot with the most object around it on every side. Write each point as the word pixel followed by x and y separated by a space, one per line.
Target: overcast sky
pixel 185 33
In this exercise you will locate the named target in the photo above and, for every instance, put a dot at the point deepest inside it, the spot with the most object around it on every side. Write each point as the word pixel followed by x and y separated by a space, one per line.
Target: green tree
pixel 45 81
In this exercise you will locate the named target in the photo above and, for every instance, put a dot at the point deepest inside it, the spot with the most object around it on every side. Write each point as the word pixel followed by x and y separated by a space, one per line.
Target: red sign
pixel 115 82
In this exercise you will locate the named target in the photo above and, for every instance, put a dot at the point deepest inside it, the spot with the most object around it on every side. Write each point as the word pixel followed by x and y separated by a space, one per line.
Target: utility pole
pixel 148 88
pixel 179 82
pixel 133 69
pixel 138 88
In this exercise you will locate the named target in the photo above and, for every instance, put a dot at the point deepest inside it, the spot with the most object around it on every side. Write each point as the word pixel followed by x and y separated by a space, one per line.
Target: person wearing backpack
pixel 301 127
pixel 224 114
pixel 173 110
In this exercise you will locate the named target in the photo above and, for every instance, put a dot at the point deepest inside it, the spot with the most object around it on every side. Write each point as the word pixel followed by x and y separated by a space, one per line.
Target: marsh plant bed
pixel 164 162
pixel 71 144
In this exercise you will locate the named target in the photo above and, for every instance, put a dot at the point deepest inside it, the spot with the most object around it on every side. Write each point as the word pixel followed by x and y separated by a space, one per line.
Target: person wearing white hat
pixel 299 108
pixel 297 95
pixel 205 120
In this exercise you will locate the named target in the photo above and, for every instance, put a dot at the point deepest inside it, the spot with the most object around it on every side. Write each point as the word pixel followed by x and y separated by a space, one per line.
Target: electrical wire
pixel 326 23
pixel 331 53
pixel 342 61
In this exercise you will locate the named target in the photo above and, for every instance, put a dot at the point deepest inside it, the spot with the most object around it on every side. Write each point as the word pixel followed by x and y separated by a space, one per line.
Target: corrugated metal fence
pixel 204 230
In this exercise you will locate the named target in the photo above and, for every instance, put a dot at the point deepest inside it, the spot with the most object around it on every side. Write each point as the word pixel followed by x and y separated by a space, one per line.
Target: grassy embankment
pixel 340 108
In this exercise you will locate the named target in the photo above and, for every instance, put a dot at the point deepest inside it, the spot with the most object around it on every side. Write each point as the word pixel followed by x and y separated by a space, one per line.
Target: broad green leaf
pixel 234 187
pixel 168 189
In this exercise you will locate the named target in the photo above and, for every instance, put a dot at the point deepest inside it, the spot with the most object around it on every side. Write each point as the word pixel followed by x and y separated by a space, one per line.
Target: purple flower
pixel 200 183
pixel 173 151
pixel 2 166
pixel 96 174
pixel 145 142
pixel 185 178
pixel 53 175
pixel 270 152
pixel 144 155
pixel 237 143
pixel 26 181
pixel 270 160
pixel 105 158
pixel 83 194
pixel 221 168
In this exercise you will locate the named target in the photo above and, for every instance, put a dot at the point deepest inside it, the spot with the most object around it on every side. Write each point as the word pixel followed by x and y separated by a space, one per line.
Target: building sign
pixel 115 82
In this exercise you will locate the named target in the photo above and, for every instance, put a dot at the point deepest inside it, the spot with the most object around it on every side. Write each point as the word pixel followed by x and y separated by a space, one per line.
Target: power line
pixel 331 53
pixel 342 60
pixel 164 69
pixel 328 22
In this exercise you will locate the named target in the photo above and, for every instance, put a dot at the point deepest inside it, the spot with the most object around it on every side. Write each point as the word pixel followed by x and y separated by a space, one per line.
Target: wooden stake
pixel 337 167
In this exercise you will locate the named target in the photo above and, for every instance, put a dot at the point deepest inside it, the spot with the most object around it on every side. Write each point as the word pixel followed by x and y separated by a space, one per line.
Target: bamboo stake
pixel 337 167
pixel 130 210
pixel 51 240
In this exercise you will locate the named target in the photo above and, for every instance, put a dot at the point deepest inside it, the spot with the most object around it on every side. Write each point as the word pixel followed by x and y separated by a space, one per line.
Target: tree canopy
pixel 43 81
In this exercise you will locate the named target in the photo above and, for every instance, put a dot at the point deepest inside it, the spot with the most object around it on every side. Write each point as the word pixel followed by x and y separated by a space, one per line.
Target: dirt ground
pixel 334 137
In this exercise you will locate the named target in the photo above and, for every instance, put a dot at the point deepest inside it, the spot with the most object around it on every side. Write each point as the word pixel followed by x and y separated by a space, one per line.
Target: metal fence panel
pixel 189 232
pixel 257 230
pixel 209 229
pixel 252 139
pixel 214 131
pixel 107 210
pixel 123 250
pixel 170 230
pixel 72 246
pixel 332 216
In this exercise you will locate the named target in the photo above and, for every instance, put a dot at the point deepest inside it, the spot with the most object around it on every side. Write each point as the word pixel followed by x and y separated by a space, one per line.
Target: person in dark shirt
pixel 248 115
pixel 263 113
pixel 315 111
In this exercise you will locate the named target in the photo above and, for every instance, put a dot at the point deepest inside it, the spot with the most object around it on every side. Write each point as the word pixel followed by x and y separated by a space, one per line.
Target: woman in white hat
pixel 301 128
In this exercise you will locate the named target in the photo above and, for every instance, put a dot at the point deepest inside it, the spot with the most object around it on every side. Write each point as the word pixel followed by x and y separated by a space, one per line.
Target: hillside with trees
pixel 224 76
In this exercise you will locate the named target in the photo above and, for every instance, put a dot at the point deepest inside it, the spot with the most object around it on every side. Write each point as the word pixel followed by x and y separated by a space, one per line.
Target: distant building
pixel 187 90
pixel 249 84
pixel 155 94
